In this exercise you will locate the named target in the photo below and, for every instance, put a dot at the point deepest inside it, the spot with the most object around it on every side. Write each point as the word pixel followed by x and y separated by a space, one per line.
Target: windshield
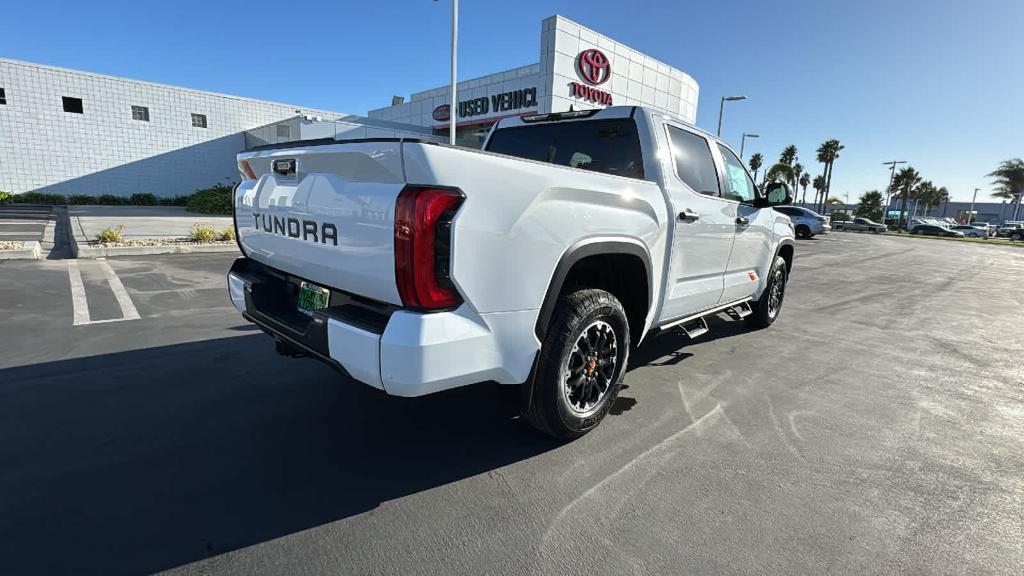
pixel 608 146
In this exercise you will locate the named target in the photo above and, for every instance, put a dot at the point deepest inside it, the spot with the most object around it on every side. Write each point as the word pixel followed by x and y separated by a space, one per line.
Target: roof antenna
pixel 570 107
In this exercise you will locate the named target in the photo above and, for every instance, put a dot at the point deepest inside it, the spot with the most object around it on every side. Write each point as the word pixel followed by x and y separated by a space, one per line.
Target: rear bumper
pixel 401 352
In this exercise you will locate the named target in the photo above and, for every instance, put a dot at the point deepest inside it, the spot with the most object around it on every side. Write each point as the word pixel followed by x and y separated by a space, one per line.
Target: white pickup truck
pixel 540 260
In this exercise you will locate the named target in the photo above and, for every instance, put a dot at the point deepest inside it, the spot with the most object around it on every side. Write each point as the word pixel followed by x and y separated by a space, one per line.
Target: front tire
pixel 768 306
pixel 581 364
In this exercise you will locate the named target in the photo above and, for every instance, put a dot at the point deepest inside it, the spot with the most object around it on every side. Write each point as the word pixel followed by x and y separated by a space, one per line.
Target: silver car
pixel 806 223
pixel 971 231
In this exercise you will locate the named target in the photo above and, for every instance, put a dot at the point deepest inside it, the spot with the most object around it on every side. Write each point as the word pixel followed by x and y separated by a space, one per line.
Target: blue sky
pixel 936 83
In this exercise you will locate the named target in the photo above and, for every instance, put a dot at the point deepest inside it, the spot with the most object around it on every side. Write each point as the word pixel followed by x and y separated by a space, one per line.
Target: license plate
pixel 312 297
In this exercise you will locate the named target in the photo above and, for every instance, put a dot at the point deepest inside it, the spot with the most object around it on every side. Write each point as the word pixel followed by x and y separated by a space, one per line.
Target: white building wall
pixel 105 151
pixel 636 79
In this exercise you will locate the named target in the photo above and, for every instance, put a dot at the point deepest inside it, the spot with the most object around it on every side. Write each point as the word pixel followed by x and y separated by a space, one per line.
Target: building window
pixel 140 113
pixel 284 131
pixel 198 120
pixel 3 96
pixel 73 105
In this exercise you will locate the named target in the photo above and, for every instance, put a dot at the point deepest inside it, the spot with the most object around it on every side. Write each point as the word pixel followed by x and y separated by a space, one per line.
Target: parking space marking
pixel 80 303
pixel 123 299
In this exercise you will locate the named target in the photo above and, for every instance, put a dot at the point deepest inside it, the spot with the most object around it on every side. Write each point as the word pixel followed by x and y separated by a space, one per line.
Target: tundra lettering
pixel 539 261
pixel 292 228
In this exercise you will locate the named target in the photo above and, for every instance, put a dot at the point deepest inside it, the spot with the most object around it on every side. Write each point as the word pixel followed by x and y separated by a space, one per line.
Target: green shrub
pixel 39 198
pixel 111 235
pixel 81 199
pixel 228 234
pixel 142 199
pixel 111 200
pixel 6 198
pixel 213 200
pixel 202 232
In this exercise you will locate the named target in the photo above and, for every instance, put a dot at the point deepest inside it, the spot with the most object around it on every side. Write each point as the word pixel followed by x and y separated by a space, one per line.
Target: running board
pixel 696 328
pixel 742 310
pixel 710 311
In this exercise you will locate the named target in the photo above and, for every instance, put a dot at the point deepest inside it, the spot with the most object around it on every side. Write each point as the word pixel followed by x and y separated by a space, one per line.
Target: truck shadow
pixel 670 347
pixel 140 461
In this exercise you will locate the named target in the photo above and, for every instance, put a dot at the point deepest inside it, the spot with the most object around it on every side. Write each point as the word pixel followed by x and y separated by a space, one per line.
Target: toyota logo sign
pixel 442 112
pixel 594 66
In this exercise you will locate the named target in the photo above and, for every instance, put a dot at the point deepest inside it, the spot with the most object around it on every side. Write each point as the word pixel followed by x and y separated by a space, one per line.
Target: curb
pixel 31 251
pixel 104 252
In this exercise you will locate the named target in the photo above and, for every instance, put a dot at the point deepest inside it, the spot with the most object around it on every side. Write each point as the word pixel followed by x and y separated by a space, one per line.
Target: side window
pixel 738 185
pixel 694 163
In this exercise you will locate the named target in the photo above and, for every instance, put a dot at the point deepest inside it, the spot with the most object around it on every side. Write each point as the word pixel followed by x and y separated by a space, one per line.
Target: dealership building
pixel 578 69
pixel 72 132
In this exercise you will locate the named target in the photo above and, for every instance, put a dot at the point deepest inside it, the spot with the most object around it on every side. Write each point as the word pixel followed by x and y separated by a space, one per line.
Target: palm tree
pixel 805 179
pixel 755 163
pixel 788 155
pixel 827 154
pixel 923 194
pixel 798 172
pixel 819 188
pixel 870 206
pixel 904 183
pixel 942 197
pixel 1009 182
pixel 780 172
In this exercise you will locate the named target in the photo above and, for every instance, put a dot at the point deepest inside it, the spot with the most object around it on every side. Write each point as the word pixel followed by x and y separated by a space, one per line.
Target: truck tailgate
pixel 329 219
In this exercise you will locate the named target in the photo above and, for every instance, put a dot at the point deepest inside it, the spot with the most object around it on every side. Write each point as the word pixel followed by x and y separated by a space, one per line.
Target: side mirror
pixel 777 194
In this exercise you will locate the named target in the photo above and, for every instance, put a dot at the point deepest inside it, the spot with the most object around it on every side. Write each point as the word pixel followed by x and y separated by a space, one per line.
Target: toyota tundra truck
pixel 540 260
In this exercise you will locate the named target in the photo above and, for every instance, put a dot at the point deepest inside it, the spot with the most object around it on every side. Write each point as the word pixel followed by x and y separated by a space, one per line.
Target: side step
pixel 696 328
pixel 742 310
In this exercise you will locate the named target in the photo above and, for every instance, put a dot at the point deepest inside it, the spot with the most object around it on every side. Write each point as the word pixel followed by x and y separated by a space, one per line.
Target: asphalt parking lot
pixel 876 428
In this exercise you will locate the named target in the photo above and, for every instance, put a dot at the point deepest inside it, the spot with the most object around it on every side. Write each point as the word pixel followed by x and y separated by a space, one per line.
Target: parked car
pixel 861 225
pixel 806 223
pixel 539 261
pixel 971 231
pixel 990 228
pixel 1012 230
pixel 933 230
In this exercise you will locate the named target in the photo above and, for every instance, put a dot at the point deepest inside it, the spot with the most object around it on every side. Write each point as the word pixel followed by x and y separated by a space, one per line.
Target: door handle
pixel 688 216
pixel 741 221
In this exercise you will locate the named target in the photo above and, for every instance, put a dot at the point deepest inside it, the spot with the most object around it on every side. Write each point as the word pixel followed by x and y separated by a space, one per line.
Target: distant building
pixel 578 68
pixel 72 132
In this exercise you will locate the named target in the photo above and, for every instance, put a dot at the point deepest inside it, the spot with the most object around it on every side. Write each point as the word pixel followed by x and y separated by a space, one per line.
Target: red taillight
pixel 246 170
pixel 423 246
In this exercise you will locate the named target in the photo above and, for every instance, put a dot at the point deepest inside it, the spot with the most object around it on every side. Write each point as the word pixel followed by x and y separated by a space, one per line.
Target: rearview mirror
pixel 777 194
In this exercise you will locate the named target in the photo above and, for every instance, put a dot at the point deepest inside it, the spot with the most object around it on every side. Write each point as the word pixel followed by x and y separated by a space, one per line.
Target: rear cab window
pixel 607 146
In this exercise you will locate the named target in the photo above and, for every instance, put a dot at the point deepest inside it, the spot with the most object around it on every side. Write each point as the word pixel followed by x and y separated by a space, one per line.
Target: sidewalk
pixel 141 222
pixel 24 225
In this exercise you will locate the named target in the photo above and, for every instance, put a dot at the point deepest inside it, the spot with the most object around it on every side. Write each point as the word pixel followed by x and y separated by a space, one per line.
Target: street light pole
pixel 452 112
pixel 888 191
pixel 721 109
pixel 970 213
pixel 744 141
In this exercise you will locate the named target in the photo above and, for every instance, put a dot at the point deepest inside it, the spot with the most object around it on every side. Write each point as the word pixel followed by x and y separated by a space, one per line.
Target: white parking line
pixel 123 299
pixel 80 303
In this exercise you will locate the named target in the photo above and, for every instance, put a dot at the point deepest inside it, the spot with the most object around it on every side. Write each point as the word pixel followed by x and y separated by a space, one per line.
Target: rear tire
pixel 1017 236
pixel 768 306
pixel 581 364
pixel 802 231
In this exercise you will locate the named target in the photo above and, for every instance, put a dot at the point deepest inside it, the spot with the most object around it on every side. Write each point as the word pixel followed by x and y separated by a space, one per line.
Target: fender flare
pixel 778 251
pixel 577 252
